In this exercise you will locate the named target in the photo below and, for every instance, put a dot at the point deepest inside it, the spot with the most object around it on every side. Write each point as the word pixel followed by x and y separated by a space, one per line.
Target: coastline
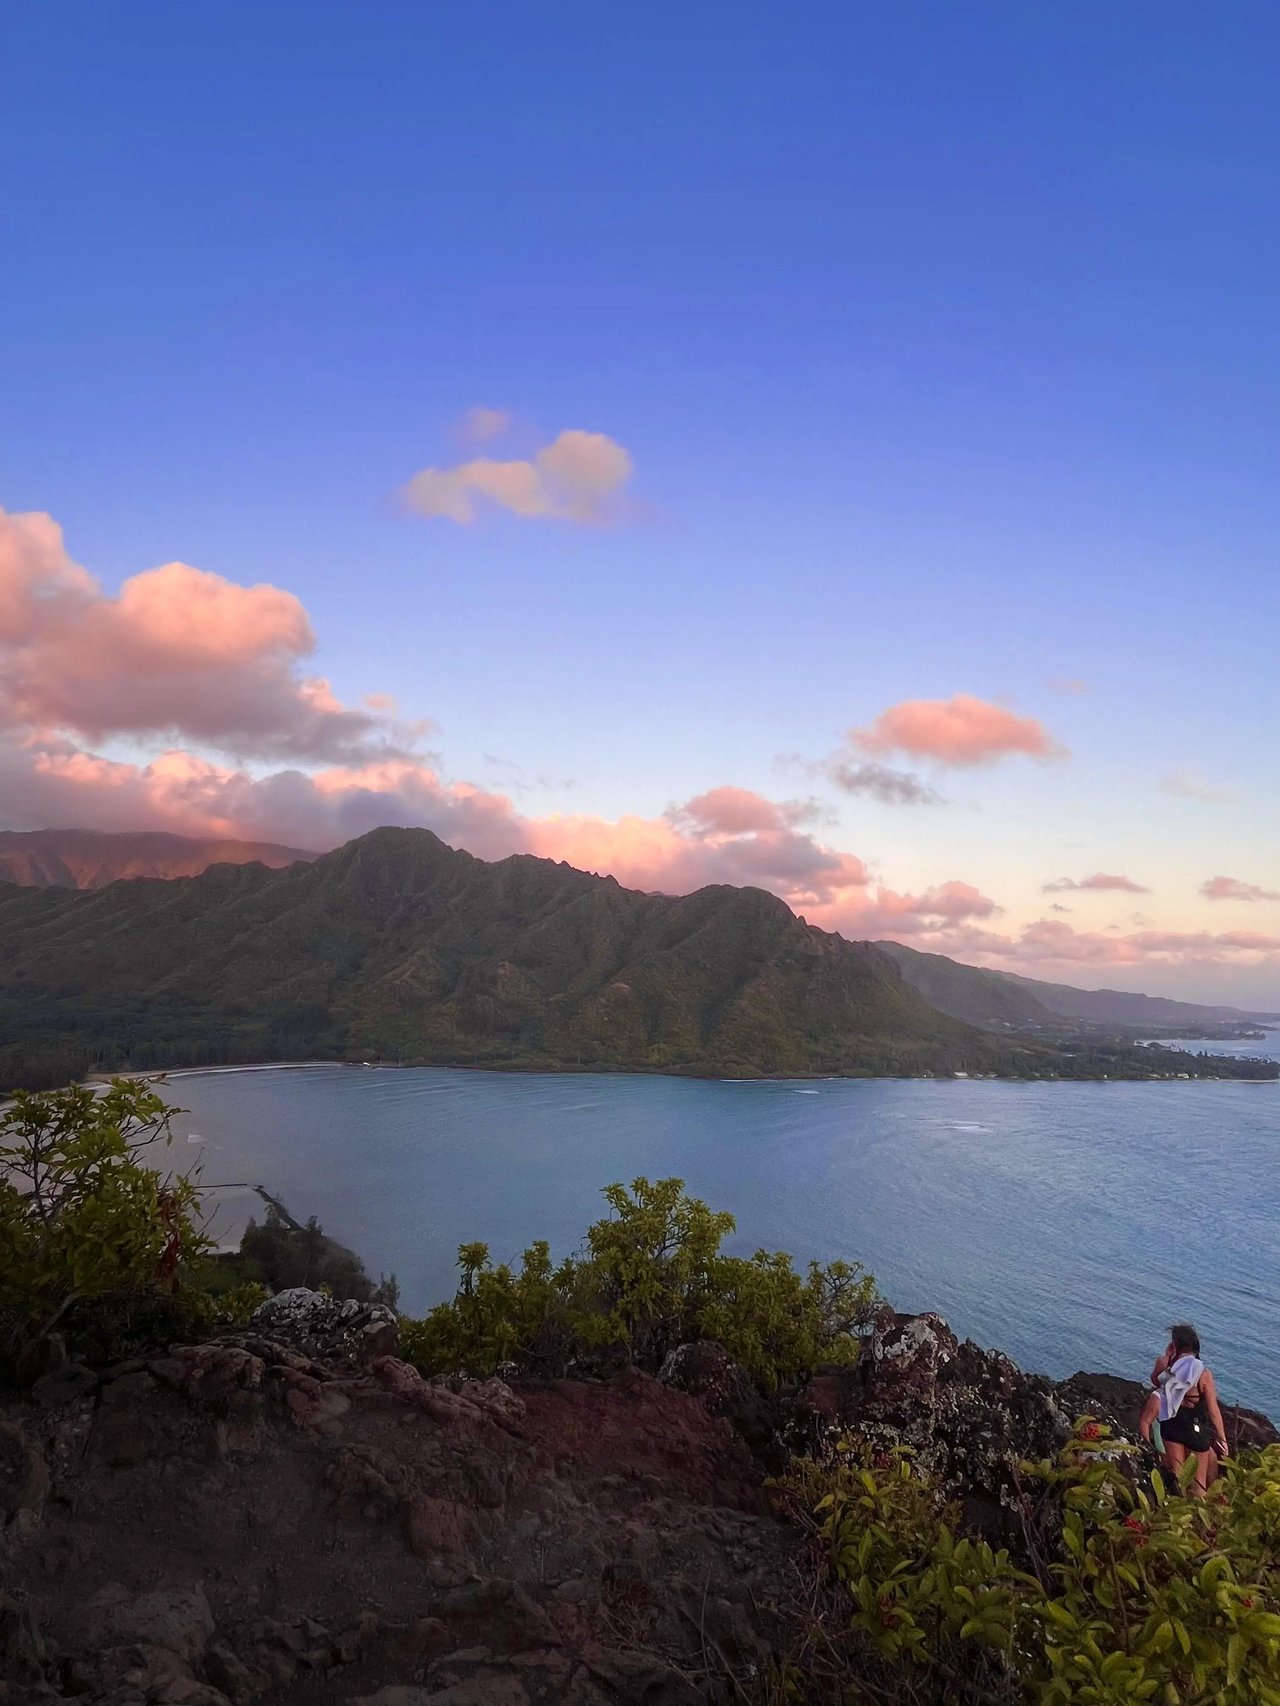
pixel 155 1075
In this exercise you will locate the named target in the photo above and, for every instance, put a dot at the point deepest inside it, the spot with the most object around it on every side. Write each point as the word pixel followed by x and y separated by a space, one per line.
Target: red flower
pixel 1090 1430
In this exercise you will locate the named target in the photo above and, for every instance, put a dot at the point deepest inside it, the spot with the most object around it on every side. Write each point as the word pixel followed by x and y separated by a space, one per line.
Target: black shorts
pixel 1189 1428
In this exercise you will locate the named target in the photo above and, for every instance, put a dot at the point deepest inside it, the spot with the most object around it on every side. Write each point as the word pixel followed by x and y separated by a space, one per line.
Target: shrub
pixel 1144 1595
pixel 81 1216
pixel 500 1315
pixel 235 1306
pixel 650 1277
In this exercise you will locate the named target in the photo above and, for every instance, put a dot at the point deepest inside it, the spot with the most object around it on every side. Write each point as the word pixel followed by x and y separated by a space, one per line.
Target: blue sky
pixel 942 341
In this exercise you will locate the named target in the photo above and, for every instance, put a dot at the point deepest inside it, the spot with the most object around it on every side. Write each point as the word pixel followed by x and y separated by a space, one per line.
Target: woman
pixel 1186 1404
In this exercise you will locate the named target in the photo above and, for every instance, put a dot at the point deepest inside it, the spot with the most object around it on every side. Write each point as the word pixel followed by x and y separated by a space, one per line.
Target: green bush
pixel 500 1315
pixel 81 1215
pixel 1143 1595
pixel 235 1306
pixel 650 1276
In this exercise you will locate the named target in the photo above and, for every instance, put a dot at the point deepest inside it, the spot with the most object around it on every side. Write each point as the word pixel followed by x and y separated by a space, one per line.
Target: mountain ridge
pixel 91 859
pixel 400 947
pixel 981 995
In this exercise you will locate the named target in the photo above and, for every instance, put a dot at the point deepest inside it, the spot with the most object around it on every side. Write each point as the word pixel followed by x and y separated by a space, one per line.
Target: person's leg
pixel 1206 1464
pixel 1175 1456
pixel 1150 1410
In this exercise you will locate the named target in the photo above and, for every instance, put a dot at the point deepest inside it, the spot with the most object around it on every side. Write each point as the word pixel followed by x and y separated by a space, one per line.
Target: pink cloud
pixel 961 730
pixel 738 811
pixel 729 835
pixel 179 652
pixel 1231 888
pixel 578 477
pixel 936 911
pixel 479 425
pixel 1103 882
pixel 1048 943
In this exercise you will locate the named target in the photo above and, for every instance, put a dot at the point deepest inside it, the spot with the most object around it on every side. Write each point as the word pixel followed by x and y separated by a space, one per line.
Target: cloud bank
pixel 1048 943
pixel 178 653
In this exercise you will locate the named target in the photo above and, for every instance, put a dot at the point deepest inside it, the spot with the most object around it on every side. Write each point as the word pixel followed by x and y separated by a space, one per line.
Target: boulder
pixel 174 1618
pixel 969 1416
pixel 346 1333
pixel 705 1370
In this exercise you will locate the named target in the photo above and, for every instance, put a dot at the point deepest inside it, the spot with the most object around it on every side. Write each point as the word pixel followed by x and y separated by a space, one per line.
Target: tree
pixel 81 1214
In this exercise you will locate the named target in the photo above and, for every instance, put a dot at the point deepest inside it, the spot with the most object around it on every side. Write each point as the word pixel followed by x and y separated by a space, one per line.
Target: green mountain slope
pixel 398 947
pixel 970 993
pixel 979 997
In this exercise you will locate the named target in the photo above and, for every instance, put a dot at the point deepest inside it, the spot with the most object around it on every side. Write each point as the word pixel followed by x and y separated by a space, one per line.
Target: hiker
pixel 1184 1409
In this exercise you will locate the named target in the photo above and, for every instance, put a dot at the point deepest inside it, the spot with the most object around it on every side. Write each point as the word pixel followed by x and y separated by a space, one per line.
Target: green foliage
pixel 1142 1595
pixel 235 1307
pixel 106 1248
pixel 651 1276
pixel 81 1215
pixel 500 1315
pixel 653 1259
pixel 780 1326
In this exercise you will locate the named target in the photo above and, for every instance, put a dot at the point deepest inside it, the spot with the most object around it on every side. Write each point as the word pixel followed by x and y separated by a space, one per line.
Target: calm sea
pixel 1067 1224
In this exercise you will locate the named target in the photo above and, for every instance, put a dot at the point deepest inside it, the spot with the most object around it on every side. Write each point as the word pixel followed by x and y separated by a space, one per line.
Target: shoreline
pixel 154 1075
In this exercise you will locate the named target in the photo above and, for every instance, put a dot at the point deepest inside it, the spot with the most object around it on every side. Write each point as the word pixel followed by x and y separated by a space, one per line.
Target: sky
pixel 832 448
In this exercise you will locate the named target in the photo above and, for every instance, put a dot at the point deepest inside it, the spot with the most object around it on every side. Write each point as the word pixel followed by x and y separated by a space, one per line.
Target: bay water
pixel 1065 1223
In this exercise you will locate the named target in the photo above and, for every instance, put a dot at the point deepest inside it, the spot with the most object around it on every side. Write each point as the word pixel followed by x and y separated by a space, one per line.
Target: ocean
pixel 1065 1223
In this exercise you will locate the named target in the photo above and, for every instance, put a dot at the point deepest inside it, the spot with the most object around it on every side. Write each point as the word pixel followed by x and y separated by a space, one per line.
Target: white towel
pixel 1180 1377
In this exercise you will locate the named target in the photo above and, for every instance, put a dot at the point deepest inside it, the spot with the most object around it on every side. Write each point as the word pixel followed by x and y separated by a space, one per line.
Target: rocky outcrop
pixel 241 1523
pixel 319 1326
pixel 706 1371
pixel 969 1416
pixel 236 1522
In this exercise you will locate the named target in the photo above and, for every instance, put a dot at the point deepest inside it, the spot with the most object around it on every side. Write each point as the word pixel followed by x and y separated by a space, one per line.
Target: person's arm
pixel 1209 1395
pixel 1161 1367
